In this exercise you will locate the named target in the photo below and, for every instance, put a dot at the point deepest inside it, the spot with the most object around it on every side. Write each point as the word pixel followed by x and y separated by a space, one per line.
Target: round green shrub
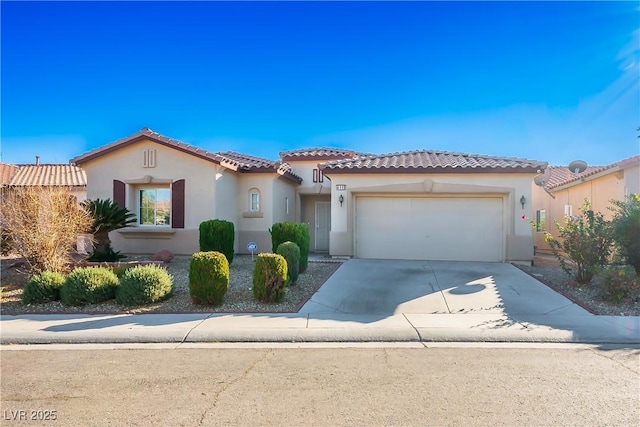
pixel 208 277
pixel 270 278
pixel 295 232
pixel 291 253
pixel 43 287
pixel 89 285
pixel 144 284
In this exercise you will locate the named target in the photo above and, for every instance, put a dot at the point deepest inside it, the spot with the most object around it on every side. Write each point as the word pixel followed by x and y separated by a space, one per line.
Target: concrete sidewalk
pixel 365 300
pixel 177 328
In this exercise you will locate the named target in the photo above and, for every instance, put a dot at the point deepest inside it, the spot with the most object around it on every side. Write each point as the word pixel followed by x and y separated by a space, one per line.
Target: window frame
pixel 254 192
pixel 541 220
pixel 169 206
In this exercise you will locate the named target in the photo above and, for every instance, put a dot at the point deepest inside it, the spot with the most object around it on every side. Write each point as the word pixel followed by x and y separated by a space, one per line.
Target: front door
pixel 323 226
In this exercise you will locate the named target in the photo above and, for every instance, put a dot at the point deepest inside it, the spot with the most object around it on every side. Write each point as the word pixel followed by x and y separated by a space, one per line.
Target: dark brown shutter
pixel 177 204
pixel 119 189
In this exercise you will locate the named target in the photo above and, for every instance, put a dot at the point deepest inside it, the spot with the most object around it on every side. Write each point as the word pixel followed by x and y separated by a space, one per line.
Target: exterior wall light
pixel 341 199
pixel 522 201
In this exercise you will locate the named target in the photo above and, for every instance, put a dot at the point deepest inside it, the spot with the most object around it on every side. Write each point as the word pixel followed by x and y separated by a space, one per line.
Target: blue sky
pixel 543 80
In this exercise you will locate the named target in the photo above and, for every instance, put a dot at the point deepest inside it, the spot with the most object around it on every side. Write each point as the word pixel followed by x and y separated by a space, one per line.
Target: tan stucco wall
pixel 518 239
pixel 599 191
pixel 304 169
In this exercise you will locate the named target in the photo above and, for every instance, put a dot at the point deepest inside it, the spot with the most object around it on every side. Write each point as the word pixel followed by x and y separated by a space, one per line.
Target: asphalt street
pixel 317 385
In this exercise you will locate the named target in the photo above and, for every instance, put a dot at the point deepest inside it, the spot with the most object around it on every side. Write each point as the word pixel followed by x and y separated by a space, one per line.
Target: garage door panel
pixel 465 229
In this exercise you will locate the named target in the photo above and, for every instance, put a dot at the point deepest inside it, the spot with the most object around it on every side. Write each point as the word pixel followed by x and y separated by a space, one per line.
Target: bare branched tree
pixel 43 224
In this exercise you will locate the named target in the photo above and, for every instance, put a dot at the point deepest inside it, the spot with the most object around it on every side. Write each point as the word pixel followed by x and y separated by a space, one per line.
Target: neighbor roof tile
pixel 49 175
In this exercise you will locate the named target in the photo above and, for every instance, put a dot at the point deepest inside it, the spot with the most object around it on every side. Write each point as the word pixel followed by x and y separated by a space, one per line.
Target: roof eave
pixel 430 170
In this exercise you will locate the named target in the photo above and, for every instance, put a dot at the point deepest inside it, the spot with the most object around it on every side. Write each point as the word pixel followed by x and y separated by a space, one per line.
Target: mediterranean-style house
pixel 560 192
pixel 415 205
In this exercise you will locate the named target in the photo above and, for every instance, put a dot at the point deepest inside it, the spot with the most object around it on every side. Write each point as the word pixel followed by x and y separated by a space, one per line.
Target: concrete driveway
pixel 387 287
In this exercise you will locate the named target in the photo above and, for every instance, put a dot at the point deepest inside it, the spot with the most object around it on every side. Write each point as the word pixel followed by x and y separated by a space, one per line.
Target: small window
pixel 155 206
pixel 318 176
pixel 286 205
pixel 568 210
pixel 540 220
pixel 254 200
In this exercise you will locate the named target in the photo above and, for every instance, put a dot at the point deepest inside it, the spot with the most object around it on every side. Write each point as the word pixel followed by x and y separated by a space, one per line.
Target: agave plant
pixel 107 216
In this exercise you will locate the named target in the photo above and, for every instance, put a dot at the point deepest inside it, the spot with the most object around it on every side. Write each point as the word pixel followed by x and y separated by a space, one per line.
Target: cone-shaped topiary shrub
pixel 144 284
pixel 43 287
pixel 89 285
pixel 270 278
pixel 208 277
pixel 292 232
pixel 217 235
pixel 291 253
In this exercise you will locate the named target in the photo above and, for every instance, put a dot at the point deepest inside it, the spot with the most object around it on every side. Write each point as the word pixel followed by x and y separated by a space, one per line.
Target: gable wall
pixel 126 164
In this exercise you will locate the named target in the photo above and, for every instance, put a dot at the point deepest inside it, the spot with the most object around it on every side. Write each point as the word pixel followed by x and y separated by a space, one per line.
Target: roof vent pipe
pixel 37 160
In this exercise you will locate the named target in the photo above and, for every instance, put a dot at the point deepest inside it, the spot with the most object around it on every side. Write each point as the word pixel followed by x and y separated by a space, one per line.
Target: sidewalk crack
pixel 412 325
pixel 184 339
pixel 439 287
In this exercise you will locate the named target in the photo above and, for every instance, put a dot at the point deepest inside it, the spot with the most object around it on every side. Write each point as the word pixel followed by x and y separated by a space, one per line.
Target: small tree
pixel 43 224
pixel 107 216
pixel 626 229
pixel 585 240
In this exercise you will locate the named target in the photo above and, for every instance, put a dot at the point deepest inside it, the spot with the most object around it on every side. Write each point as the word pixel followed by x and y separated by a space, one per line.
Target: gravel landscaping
pixel 239 297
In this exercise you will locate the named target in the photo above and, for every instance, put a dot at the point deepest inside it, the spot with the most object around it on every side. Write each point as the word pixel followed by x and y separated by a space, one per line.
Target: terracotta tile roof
pixel 7 172
pixel 243 161
pixel 232 160
pixel 426 160
pixel 557 176
pixel 145 133
pixel 49 175
pixel 247 163
pixel 319 153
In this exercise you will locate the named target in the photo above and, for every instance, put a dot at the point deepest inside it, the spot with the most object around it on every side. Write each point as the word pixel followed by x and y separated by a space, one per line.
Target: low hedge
pixel 270 277
pixel 89 285
pixel 144 284
pixel 43 287
pixel 208 277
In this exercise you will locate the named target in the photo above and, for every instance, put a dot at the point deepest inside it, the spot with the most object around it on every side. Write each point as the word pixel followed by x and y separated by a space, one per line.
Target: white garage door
pixel 429 228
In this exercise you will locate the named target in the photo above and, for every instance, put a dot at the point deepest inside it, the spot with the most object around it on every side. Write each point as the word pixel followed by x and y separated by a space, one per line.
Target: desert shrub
pixel 208 277
pixel 89 285
pixel 626 229
pixel 585 240
pixel 43 224
pixel 5 242
pixel 107 216
pixel 620 283
pixel 43 287
pixel 292 232
pixel 217 235
pixel 144 284
pixel 291 253
pixel 270 277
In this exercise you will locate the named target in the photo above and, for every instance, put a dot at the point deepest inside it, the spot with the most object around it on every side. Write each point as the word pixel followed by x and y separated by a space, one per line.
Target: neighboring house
pixel 559 193
pixel 426 205
pixel 45 175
